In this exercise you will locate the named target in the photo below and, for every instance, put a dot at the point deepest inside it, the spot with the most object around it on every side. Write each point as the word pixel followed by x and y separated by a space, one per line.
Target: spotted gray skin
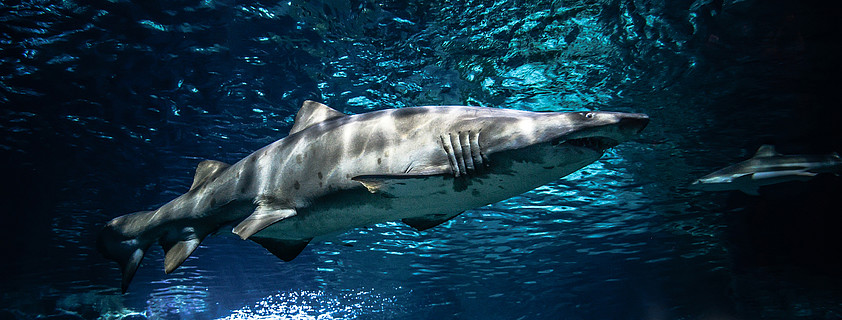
pixel 768 167
pixel 335 172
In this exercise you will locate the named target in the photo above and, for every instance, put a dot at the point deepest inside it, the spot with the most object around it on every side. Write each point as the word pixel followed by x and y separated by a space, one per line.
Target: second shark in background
pixel 768 167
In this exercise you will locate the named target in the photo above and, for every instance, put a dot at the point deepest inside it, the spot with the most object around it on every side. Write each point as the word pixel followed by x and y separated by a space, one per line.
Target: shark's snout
pixel 602 130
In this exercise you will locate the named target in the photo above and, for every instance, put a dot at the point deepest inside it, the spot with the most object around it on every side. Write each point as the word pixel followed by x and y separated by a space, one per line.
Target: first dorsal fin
pixel 311 113
pixel 206 170
pixel 766 150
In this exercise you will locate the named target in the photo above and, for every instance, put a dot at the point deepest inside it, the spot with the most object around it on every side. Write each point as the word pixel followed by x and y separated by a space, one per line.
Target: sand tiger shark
pixel 766 167
pixel 335 172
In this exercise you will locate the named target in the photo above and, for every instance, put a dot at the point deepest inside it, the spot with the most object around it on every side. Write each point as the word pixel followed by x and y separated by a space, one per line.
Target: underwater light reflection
pixel 316 304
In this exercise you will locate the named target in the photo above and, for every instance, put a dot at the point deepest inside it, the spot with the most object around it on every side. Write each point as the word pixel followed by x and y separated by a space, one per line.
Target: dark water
pixel 106 107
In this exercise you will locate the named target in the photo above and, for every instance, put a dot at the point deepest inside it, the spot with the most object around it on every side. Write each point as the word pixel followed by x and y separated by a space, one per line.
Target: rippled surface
pixel 107 107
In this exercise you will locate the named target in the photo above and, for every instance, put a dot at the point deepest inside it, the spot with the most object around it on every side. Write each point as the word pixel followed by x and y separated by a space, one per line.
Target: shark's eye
pixel 589 115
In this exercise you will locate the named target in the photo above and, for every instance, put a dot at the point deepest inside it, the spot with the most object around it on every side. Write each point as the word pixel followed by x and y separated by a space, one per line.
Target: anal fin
pixel 284 249
pixel 179 245
pixel 427 222
pixel 179 252
pixel 262 217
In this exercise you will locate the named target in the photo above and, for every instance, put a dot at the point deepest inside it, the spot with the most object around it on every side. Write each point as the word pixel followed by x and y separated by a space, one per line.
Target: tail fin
pixel 117 244
pixel 126 239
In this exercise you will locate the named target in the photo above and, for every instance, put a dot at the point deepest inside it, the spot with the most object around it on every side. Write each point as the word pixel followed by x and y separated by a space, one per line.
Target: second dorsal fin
pixel 206 170
pixel 311 113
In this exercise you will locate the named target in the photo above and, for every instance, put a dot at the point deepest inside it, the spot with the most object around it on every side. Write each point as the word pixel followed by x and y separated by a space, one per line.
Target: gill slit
pixel 464 154
pixel 445 143
pixel 458 153
pixel 478 156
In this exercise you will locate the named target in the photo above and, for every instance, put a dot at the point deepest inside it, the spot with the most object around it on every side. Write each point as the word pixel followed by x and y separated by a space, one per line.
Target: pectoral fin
pixel 264 216
pixel 427 222
pixel 746 184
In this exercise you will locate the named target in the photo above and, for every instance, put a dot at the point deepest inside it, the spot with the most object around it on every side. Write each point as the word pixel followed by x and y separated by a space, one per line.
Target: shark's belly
pixel 401 199
pixel 356 208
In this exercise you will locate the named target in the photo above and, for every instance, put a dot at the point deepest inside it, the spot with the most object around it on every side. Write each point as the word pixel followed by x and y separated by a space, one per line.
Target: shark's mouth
pixel 598 144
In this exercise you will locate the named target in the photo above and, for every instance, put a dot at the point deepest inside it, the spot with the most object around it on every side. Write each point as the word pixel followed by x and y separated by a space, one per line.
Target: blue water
pixel 106 107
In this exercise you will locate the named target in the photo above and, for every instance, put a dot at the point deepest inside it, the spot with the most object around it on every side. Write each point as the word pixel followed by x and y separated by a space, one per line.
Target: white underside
pixel 417 197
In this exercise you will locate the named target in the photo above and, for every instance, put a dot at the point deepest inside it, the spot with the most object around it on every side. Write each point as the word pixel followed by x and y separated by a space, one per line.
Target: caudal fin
pixel 126 239
pixel 126 249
